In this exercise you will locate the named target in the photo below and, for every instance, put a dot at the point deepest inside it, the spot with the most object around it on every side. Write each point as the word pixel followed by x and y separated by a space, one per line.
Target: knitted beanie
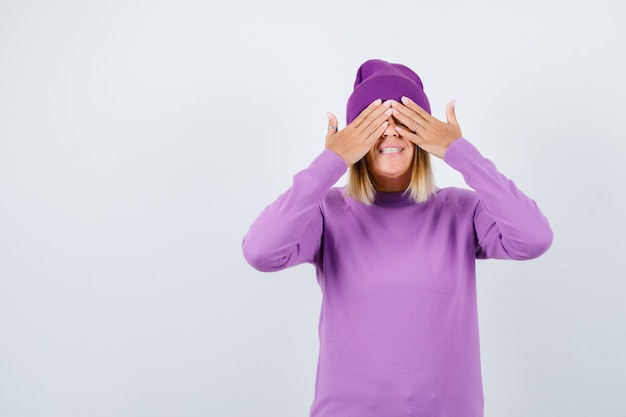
pixel 381 79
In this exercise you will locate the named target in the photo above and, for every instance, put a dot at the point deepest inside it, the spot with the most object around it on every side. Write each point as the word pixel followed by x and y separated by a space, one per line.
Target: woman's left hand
pixel 429 133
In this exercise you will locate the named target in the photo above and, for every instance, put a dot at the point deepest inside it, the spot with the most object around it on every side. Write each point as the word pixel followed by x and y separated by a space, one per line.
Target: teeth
pixel 391 150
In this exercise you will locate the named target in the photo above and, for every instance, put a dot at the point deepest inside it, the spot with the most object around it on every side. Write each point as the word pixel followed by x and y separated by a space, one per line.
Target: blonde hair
pixel 361 186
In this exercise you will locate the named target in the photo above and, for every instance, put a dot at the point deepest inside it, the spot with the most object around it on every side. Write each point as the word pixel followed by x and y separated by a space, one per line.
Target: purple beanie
pixel 381 79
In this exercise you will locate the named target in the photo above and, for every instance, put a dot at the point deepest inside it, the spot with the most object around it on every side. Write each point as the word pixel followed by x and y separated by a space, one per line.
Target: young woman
pixel 394 255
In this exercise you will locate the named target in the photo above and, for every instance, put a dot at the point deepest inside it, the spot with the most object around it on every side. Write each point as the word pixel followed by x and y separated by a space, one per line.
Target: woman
pixel 394 255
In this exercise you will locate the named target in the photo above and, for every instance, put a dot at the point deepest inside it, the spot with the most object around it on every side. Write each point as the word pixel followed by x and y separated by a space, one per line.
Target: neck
pixel 392 185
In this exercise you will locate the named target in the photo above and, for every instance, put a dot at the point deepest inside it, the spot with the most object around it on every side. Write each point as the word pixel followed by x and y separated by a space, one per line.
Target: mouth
pixel 390 150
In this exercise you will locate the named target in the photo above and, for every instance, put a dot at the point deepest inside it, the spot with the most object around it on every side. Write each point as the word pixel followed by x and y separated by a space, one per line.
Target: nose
pixel 391 128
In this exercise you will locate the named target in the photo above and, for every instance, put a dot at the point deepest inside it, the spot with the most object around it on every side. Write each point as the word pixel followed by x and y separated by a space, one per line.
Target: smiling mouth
pixel 390 150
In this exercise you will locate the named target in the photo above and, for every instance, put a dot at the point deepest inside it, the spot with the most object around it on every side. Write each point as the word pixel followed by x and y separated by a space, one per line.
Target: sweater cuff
pixel 462 155
pixel 327 168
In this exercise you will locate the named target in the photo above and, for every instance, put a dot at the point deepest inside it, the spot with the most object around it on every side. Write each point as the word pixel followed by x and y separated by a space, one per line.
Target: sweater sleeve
pixel 508 224
pixel 289 231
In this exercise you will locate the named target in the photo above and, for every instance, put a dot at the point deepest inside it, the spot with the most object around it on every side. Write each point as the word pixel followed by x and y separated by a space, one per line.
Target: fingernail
pixel 388 112
pixel 328 115
pixel 404 99
pixel 378 101
pixel 454 103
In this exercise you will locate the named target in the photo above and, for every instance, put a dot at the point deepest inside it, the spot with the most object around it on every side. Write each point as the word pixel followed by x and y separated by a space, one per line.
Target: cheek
pixel 411 151
pixel 411 154
pixel 369 156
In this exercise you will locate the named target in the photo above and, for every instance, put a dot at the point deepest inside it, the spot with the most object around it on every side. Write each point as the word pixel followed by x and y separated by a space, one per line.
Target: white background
pixel 139 139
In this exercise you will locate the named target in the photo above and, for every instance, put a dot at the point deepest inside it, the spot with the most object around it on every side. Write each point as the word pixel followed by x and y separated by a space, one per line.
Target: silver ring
pixel 332 127
pixel 415 130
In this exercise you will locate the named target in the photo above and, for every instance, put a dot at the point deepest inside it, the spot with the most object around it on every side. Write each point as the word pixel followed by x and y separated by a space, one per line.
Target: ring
pixel 332 127
pixel 415 130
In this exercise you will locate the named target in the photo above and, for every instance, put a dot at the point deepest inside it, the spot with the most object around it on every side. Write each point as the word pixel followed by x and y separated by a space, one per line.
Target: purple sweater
pixel 398 325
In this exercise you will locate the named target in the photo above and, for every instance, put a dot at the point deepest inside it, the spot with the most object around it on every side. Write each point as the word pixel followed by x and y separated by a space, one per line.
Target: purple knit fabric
pixel 378 79
pixel 398 325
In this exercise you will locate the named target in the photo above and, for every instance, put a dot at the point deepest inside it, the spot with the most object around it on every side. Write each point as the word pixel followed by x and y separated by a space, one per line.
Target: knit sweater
pixel 398 327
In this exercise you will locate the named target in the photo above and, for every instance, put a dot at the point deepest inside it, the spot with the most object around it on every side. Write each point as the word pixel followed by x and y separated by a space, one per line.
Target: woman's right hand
pixel 354 141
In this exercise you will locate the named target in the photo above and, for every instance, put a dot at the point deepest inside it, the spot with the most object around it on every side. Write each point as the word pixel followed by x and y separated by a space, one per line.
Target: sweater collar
pixel 399 198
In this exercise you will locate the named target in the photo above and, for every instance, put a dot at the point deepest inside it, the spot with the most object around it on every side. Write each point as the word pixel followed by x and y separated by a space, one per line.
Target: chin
pixel 394 172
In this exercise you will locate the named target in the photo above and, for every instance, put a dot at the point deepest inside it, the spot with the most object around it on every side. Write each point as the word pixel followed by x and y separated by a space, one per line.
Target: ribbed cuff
pixel 462 156
pixel 327 168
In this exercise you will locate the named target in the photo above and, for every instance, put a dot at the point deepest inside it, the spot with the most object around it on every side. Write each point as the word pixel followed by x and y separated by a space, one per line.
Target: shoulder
pixel 335 201
pixel 461 199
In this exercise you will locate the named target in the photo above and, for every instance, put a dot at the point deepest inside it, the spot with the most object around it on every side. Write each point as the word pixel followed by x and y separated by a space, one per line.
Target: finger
pixel 372 138
pixel 366 112
pixel 332 124
pixel 414 137
pixel 374 122
pixel 411 119
pixel 451 113
pixel 416 108
pixel 408 121
pixel 401 108
pixel 376 116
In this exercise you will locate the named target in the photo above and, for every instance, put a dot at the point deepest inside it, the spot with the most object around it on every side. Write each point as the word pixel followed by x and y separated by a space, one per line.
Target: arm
pixel 508 224
pixel 289 231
